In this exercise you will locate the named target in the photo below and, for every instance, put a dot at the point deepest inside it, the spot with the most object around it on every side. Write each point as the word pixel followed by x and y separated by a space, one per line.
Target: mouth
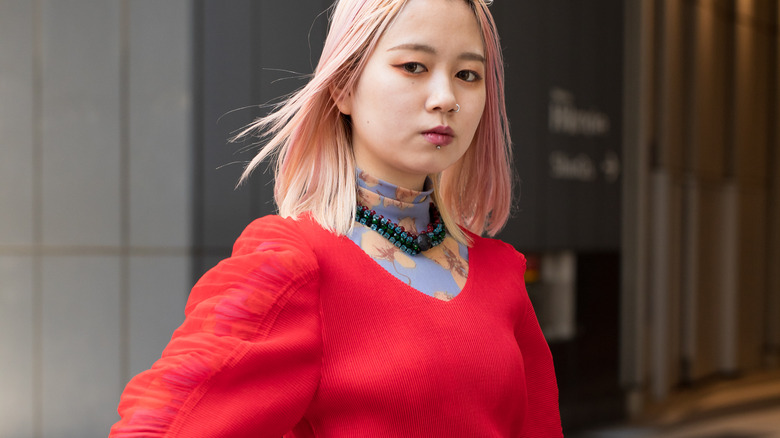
pixel 440 135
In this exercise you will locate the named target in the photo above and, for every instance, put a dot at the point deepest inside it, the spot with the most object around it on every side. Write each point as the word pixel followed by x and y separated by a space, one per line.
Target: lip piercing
pixel 438 146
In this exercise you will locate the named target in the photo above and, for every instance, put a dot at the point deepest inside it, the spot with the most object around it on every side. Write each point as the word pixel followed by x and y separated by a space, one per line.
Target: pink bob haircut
pixel 311 139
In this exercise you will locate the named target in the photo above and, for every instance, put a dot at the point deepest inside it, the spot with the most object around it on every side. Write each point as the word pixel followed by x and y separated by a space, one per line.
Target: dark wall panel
pixel 225 75
pixel 248 54
pixel 564 68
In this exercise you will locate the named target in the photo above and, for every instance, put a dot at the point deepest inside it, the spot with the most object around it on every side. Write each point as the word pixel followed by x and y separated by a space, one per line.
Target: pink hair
pixel 315 166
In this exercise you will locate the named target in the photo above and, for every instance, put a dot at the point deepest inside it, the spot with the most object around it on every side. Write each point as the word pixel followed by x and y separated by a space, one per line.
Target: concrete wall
pixel 95 203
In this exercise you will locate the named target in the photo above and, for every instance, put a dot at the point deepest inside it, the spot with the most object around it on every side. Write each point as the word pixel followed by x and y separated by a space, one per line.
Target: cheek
pixel 386 110
pixel 473 119
pixel 479 110
pixel 374 104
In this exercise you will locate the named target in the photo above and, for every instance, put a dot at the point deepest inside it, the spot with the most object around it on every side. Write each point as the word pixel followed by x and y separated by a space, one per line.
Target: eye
pixel 413 67
pixel 468 76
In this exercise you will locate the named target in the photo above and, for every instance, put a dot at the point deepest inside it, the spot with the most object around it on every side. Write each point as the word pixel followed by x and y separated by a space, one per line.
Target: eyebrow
pixel 467 56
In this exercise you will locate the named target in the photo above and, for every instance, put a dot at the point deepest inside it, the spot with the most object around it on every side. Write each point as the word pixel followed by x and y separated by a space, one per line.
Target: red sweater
pixel 301 334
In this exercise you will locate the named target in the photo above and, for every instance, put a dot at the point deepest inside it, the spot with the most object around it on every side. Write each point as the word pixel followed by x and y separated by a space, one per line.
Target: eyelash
pixel 476 76
pixel 406 66
pixel 411 67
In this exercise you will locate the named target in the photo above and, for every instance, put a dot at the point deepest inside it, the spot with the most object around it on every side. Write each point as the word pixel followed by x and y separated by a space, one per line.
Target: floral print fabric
pixel 441 271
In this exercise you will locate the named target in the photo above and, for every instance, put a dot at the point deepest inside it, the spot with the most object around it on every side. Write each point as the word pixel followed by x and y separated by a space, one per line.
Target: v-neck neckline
pixel 390 278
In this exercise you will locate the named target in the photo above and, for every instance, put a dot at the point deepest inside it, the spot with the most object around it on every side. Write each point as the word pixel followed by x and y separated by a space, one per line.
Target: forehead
pixel 446 25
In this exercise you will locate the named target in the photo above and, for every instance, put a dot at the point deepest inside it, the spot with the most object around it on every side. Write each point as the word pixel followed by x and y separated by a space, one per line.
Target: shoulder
pixel 270 257
pixel 495 249
pixel 284 241
pixel 272 232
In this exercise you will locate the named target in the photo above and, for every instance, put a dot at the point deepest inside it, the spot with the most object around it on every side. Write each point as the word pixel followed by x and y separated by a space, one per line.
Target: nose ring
pixel 457 108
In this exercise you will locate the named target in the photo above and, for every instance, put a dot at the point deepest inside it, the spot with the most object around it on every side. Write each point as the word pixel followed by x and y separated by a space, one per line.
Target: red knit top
pixel 300 333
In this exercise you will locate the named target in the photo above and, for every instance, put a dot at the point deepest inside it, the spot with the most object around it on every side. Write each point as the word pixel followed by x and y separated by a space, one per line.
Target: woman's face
pixel 404 109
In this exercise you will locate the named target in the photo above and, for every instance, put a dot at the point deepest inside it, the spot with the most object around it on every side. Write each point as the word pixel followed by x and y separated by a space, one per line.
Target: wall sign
pixel 564 67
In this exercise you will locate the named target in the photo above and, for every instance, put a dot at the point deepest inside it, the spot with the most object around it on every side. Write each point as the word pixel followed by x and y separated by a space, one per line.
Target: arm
pixel 246 360
pixel 543 419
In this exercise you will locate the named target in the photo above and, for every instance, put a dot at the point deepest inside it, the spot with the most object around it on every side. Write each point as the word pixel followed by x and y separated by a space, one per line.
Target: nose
pixel 441 95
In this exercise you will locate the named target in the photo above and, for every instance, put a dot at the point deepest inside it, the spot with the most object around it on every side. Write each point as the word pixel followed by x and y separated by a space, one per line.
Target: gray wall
pixel 117 182
pixel 95 203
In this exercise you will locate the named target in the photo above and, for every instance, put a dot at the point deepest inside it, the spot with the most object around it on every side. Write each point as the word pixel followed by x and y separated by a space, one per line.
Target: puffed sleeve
pixel 246 360
pixel 543 419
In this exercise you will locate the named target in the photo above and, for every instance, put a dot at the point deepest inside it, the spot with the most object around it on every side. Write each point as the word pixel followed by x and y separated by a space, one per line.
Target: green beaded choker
pixel 406 241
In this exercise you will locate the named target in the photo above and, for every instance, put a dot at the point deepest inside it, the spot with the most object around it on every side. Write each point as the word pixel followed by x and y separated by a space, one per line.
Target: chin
pixel 440 166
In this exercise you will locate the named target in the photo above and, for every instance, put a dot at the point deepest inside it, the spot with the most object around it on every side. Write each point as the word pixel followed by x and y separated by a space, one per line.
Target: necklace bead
pixel 406 241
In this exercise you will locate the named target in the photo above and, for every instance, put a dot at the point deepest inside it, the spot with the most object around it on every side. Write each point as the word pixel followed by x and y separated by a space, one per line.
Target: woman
pixel 370 306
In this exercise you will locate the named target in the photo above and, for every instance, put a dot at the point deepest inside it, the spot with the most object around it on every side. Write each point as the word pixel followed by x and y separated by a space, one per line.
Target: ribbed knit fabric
pixel 300 333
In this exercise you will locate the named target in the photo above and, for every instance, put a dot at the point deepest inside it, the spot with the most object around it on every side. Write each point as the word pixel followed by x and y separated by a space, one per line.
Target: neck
pixel 390 175
pixel 406 207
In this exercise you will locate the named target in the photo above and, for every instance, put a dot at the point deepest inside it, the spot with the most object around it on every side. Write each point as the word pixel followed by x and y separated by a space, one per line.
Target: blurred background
pixel 648 163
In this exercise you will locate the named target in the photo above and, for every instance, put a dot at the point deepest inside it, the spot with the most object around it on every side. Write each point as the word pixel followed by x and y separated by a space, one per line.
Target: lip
pixel 440 135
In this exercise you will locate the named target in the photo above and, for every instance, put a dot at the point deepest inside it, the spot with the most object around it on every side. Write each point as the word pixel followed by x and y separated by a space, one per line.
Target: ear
pixel 343 99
